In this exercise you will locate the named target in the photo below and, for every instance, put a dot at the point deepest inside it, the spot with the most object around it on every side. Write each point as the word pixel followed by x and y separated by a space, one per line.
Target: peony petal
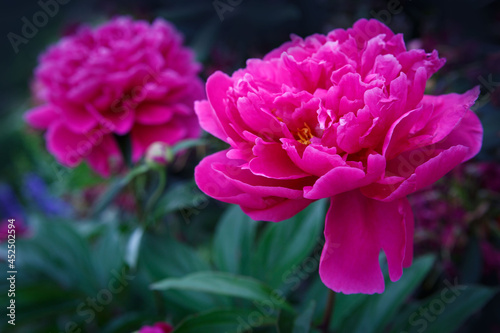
pixel 315 160
pixel 420 168
pixel 99 157
pixel 214 184
pixel 468 133
pixel 79 120
pixel 41 117
pixel 154 113
pixel 286 209
pixel 334 182
pixel 261 186
pixel 68 147
pixel 208 119
pixel 448 112
pixel 409 231
pixel 217 87
pixel 357 228
pixel 272 161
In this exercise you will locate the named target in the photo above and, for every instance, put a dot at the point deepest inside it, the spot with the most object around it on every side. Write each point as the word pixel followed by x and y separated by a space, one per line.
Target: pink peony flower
pixel 125 77
pixel 157 328
pixel 341 116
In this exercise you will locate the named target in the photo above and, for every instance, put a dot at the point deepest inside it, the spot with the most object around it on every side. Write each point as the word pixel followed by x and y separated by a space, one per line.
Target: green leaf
pixel 133 247
pixel 372 313
pixel 288 322
pixel 202 44
pixel 115 188
pixel 108 252
pixel 446 310
pixel 302 323
pixel 284 247
pixel 233 241
pixel 60 253
pixel 220 321
pixel 184 195
pixel 223 284
pixel 162 256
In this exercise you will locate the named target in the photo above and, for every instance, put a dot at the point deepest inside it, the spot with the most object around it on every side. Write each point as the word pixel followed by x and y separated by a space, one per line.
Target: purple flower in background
pixel 10 208
pixel 36 192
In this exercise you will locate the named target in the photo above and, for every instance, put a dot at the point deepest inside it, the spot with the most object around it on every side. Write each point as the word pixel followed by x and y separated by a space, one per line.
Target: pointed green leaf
pixel 221 283
pixel 448 309
pixel 284 246
pixel 222 321
pixel 233 241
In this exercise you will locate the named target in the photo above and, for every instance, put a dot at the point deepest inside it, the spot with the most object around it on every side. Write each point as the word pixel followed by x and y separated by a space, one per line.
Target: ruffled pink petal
pixel 315 160
pixel 217 87
pixel 154 113
pixel 272 161
pixel 420 168
pixel 248 182
pixel 79 120
pixel 357 228
pixel 285 209
pixel 41 117
pixel 448 111
pixel 334 182
pixel 68 147
pixel 469 133
pixel 409 231
pixel 216 185
pixel 208 120
pixel 257 120
pixel 99 157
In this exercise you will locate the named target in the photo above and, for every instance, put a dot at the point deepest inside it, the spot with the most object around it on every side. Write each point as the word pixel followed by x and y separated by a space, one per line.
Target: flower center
pixel 305 134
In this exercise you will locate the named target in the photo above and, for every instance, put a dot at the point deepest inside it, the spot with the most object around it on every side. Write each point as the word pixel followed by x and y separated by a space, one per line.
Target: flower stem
pixel 328 312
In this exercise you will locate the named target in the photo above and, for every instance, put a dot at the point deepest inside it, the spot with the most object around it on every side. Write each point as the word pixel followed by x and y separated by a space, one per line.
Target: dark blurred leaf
pixel 115 188
pixel 186 12
pixel 220 321
pixel 163 256
pixel 289 323
pixel 108 253
pixel 222 284
pixel 59 252
pixel 376 311
pixel 303 322
pixel 285 322
pixel 203 43
pixel 446 311
pixel 286 244
pixel 181 196
pixel 126 323
pixel 472 262
pixel 233 241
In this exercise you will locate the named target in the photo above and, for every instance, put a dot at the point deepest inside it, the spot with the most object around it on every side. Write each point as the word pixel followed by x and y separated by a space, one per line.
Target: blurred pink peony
pixel 160 327
pixel 125 77
pixel 342 116
pixel 19 226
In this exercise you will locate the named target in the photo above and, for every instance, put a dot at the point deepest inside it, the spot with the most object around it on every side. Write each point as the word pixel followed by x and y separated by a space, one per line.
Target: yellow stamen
pixel 305 135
